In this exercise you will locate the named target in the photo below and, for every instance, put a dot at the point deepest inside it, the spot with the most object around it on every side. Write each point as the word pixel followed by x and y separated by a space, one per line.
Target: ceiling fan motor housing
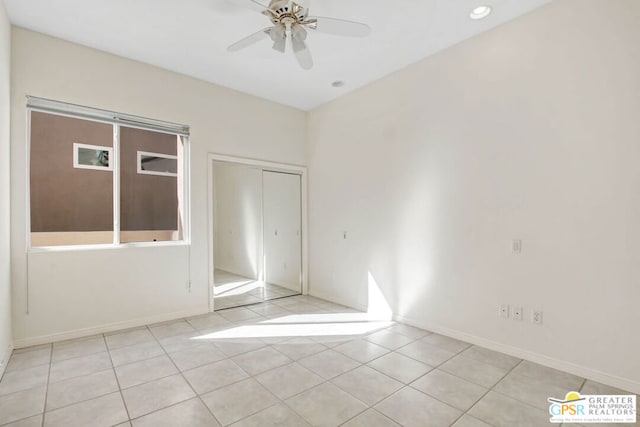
pixel 290 23
pixel 286 12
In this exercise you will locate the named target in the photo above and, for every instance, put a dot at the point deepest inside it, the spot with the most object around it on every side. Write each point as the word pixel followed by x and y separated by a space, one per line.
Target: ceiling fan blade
pixel 338 27
pixel 302 3
pixel 303 55
pixel 258 6
pixel 252 39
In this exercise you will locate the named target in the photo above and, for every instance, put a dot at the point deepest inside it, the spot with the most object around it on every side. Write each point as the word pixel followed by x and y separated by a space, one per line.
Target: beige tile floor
pixel 279 363
pixel 232 290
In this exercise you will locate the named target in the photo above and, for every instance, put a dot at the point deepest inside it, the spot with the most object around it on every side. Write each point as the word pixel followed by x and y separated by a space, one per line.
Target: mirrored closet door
pixel 257 235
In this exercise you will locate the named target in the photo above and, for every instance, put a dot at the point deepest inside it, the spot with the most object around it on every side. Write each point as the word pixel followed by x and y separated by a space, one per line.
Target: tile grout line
pixel 265 344
pixel 325 381
pixel 360 364
pixel 46 392
pixel 80 401
pixel 406 385
pixel 584 381
pixel 229 358
pixel 372 409
pixel 126 331
pixel 490 389
pixel 459 353
pixel 115 374
pixel 283 401
pixel 68 379
pixel 147 382
pixel 30 388
pixel 85 400
pixel 197 395
pixel 430 371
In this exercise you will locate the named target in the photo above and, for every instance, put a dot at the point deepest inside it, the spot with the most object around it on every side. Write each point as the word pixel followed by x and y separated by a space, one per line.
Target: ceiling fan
pixel 291 21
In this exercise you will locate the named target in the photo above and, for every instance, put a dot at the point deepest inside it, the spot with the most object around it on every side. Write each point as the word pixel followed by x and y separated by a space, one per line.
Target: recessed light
pixel 337 83
pixel 480 12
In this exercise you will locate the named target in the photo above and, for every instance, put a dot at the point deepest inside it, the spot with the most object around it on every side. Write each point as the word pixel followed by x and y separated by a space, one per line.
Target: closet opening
pixel 256 217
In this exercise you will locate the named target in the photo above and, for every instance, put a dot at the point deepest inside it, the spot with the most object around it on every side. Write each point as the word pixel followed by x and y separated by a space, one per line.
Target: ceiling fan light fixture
pixel 291 24
pixel 298 32
pixel 480 12
pixel 278 32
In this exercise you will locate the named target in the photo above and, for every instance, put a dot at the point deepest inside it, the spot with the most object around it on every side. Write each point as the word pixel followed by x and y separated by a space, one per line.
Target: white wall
pixel 79 292
pixel 528 131
pixel 5 265
pixel 238 220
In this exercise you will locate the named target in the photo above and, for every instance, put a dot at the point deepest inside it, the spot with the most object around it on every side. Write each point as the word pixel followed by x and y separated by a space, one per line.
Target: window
pixel 92 157
pixel 96 180
pixel 150 201
pixel 157 164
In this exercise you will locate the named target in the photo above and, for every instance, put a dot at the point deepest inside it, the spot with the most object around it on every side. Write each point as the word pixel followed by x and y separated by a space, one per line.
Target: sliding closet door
pixel 282 230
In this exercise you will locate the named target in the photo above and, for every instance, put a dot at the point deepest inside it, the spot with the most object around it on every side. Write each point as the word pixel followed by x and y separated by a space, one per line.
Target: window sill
pixel 82 248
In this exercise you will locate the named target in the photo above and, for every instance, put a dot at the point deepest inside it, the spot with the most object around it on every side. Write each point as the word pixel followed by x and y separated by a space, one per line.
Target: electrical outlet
pixel 516 314
pixel 516 246
pixel 536 317
pixel 503 311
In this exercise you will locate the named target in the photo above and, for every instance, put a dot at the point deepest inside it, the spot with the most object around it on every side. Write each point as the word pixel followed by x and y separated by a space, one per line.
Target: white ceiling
pixel 191 36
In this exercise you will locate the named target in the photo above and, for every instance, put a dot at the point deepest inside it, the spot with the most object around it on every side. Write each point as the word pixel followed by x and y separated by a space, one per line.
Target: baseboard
pixel 572 368
pixel 111 327
pixel 563 365
pixel 4 358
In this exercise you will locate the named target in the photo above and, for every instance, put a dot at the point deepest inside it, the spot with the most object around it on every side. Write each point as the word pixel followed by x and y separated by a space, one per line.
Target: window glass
pixel 91 157
pixel 70 205
pixel 150 186
pixel 157 164
pixel 80 167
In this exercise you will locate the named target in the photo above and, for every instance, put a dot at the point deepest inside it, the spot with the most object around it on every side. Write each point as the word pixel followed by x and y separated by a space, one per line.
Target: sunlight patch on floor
pixel 307 325
pixel 236 288
pixel 324 318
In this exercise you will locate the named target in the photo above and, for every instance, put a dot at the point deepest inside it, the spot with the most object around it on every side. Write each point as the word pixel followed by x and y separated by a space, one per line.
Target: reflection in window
pixel 91 157
pixel 157 164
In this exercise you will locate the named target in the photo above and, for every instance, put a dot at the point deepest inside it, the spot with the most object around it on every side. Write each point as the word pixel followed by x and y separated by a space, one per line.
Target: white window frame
pixel 78 165
pixel 115 119
pixel 163 156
